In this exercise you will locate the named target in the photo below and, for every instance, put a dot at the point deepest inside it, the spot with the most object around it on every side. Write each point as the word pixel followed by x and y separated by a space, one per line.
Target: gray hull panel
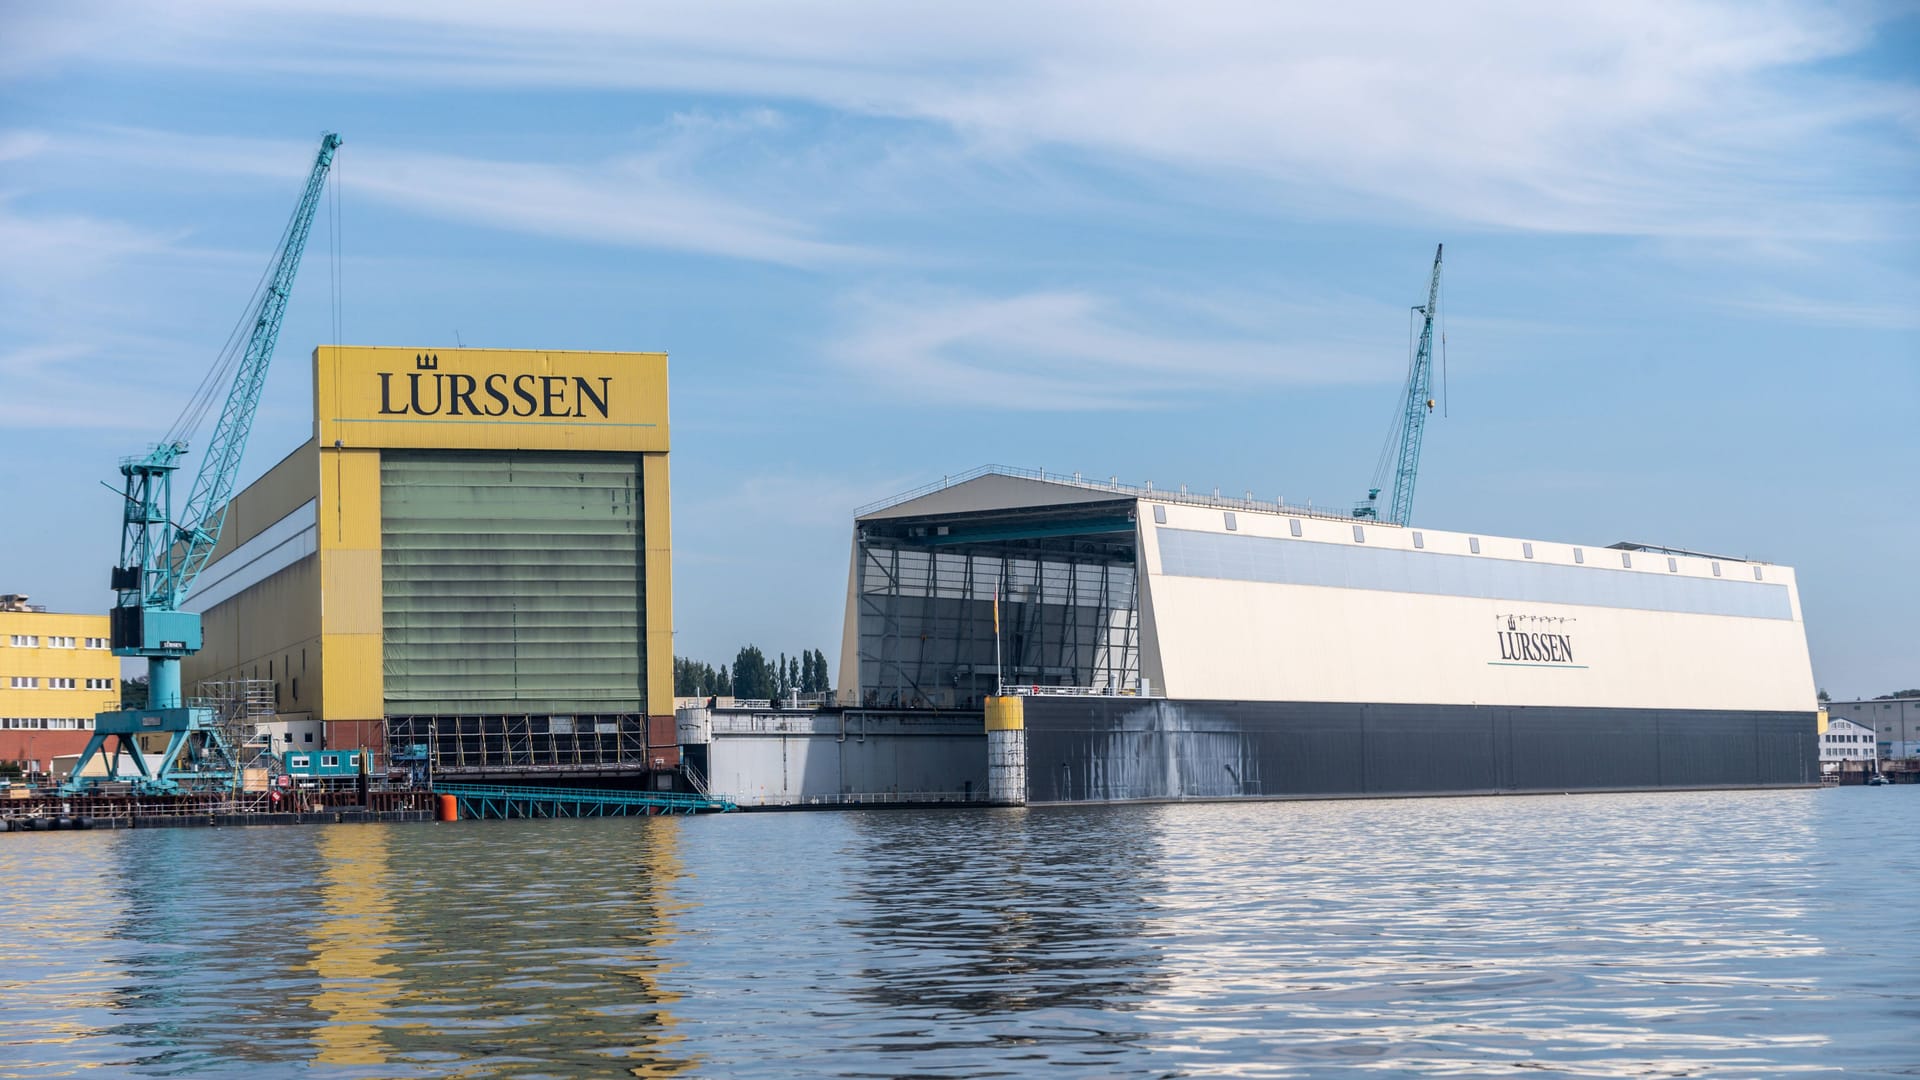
pixel 1107 749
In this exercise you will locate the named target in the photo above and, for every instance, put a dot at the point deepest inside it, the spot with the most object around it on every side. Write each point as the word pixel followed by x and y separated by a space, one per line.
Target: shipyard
pixel 463 606
pixel 773 541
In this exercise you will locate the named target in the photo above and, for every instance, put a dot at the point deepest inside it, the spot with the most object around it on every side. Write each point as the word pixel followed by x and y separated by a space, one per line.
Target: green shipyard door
pixel 513 583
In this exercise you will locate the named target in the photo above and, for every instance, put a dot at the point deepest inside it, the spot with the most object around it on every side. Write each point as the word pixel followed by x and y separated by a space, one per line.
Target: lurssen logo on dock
pixel 427 391
pixel 1526 645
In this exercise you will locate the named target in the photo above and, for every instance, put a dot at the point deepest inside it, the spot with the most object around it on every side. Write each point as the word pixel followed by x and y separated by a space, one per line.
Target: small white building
pixel 1895 723
pixel 1845 740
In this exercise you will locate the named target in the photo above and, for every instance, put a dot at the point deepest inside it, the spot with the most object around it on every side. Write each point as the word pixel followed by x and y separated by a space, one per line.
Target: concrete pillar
pixel 1006 751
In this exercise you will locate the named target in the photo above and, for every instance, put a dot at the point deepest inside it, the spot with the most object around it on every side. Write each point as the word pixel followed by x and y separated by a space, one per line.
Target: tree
pixel 1898 694
pixel 133 693
pixel 722 683
pixel 753 676
pixel 1824 696
pixel 823 682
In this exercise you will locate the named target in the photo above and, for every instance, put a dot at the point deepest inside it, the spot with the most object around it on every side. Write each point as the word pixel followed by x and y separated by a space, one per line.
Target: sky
pixel 885 243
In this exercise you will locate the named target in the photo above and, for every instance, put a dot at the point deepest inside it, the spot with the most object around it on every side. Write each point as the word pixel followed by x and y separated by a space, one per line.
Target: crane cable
pixel 1389 449
pixel 194 414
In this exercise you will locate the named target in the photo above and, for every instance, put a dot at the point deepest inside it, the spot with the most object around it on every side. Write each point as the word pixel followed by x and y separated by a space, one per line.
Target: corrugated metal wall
pixel 512 582
pixel 1097 749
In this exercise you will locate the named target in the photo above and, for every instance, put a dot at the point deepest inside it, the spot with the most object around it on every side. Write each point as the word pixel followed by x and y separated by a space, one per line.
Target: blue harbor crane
pixel 1403 443
pixel 161 552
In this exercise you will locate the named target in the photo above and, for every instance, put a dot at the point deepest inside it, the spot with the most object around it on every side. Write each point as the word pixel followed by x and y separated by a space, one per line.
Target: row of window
pixel 1837 738
pixel 1473 543
pixel 46 723
pixel 32 682
pixel 32 641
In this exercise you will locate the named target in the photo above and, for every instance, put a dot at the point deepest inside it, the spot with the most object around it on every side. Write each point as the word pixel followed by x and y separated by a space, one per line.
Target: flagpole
pixel 999 672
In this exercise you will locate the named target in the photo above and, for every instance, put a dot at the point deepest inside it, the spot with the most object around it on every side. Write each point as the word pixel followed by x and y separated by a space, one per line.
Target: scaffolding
pixel 951 610
pixel 488 744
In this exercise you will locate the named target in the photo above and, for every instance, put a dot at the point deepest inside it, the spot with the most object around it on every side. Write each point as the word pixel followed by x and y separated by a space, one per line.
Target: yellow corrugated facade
pixel 318 620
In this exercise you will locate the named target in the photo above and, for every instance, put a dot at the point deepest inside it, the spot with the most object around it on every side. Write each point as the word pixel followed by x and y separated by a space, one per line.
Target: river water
pixel 1712 934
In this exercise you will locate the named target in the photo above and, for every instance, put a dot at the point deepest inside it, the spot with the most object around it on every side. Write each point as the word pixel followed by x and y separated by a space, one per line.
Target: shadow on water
pixel 1006 912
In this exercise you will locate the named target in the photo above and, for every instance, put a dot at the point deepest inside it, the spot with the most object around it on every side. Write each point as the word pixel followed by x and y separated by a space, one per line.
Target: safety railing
pixel 1024 690
pixel 1113 484
pixel 509 800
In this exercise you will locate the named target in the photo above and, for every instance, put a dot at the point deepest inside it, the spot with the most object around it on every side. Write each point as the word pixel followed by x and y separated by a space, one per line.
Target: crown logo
pixel 427 361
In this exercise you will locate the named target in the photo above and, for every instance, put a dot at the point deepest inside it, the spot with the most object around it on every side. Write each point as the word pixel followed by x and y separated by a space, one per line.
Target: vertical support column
pixel 1006 751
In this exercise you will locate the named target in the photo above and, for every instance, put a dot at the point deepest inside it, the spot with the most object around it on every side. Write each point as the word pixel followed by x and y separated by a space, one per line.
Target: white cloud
pixel 647 200
pixel 1070 351
pixel 52 252
pixel 1652 117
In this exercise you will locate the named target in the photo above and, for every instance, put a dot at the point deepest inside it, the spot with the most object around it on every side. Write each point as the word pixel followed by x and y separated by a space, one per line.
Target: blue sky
pixel 884 243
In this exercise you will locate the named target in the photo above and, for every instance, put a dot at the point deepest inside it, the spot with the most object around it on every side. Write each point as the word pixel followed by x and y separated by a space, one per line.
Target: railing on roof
pixel 1187 498
pixel 1027 690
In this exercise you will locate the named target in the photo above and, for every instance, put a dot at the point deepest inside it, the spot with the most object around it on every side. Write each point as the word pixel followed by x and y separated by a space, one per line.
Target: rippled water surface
pixel 1716 934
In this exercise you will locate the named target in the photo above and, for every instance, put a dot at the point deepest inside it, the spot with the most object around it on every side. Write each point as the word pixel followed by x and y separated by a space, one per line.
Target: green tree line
pixel 753 675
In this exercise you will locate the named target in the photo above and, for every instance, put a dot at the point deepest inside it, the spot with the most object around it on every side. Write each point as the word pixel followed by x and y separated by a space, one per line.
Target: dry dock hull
pixel 1105 749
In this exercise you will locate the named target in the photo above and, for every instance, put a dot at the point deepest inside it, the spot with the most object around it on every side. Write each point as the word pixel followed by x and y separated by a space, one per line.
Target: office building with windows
pixel 56 671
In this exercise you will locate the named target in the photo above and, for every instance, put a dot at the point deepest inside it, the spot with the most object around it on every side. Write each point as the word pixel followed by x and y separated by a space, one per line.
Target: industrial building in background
pixel 1127 643
pixel 1894 722
pixel 56 671
pixel 470 555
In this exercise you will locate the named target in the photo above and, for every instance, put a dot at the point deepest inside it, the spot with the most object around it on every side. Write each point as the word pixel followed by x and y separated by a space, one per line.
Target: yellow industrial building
pixel 472 553
pixel 56 671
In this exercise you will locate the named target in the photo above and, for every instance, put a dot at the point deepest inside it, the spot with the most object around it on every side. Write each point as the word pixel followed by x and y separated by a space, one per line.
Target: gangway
pixel 512 801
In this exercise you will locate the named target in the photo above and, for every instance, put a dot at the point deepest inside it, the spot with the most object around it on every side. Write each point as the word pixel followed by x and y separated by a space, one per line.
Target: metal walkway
pixel 510 801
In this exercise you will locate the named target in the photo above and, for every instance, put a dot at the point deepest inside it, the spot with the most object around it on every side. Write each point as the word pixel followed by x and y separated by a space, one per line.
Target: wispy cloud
pixel 644 200
pixel 1072 351
pixel 1648 117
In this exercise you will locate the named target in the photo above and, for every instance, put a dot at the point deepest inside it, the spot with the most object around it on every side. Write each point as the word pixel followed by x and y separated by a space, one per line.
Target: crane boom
pixel 1411 425
pixel 1419 403
pixel 206 510
pixel 161 554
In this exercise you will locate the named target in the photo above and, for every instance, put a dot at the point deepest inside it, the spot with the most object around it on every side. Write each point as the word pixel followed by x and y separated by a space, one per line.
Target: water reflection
pixel 1588 936
pixel 538 949
pixel 1713 935
pixel 351 936
pixel 1008 911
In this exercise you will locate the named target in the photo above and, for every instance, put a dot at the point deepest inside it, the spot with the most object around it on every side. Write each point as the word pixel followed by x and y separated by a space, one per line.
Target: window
pixel 1673 565
pixel 306 736
pixel 1579 555
pixel 26 682
pixel 1626 559
pixel 59 684
pixel 26 641
pixel 1716 569
pixel 1756 573
pixel 1359 534
pixel 1419 540
pixel 297 761
pixel 1233 525
pixel 99 684
pixel 59 642
pixel 329 761
pixel 96 643
pixel 1159 515
pixel 1526 549
pixel 1473 544
pixel 1293 526
pixel 296 688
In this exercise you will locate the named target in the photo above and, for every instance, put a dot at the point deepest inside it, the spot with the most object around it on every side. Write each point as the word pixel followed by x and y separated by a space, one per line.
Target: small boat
pixel 1878 780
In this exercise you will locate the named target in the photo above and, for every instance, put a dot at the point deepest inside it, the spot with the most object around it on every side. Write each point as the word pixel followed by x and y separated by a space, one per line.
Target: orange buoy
pixel 449 808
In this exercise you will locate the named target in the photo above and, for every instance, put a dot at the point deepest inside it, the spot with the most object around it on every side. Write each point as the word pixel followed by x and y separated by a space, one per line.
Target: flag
pixel 996 609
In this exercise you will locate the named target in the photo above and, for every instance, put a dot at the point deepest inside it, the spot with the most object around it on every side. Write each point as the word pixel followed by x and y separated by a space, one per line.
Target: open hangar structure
pixel 471 553
pixel 1166 645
